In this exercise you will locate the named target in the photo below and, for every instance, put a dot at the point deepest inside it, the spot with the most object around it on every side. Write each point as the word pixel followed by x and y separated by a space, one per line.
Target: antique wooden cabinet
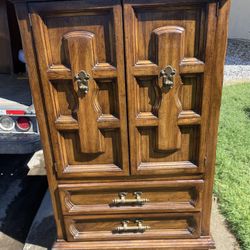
pixel 127 95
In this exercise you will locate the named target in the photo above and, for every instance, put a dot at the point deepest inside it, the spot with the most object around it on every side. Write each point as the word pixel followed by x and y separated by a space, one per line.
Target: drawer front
pixel 127 197
pixel 139 227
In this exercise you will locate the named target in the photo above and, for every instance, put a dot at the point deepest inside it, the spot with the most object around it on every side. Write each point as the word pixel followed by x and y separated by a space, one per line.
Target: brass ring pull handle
pixel 123 201
pixel 124 228
pixel 167 75
pixel 82 80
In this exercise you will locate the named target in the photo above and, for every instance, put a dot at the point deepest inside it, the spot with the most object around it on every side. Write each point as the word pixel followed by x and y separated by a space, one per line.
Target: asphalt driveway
pixel 20 198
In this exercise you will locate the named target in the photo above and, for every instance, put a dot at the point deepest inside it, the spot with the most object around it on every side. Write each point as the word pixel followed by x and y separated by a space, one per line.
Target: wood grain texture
pixel 167 125
pixel 203 243
pixel 162 196
pixel 89 130
pixel 169 51
pixel 162 226
pixel 41 113
pixel 219 55
pixel 80 47
pixel 172 135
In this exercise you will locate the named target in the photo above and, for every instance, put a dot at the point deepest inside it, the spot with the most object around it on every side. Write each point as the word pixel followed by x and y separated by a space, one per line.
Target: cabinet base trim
pixel 203 243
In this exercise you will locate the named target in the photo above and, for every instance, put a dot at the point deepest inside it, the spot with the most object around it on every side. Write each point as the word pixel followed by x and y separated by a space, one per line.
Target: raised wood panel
pixel 169 43
pixel 161 226
pixel 80 50
pixel 158 162
pixel 77 162
pixel 99 23
pixel 172 133
pixel 166 122
pixel 162 196
pixel 90 128
pixel 149 18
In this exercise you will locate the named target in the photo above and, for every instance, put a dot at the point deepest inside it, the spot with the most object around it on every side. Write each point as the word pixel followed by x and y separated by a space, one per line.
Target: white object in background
pixel 36 164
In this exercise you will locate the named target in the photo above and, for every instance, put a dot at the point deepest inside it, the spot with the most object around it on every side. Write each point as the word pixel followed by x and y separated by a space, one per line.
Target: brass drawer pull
pixel 139 228
pixel 123 201
pixel 82 80
pixel 167 75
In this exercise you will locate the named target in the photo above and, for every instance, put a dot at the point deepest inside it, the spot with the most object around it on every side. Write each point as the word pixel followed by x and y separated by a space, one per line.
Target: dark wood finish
pixel 41 113
pixel 163 196
pixel 203 243
pixel 168 124
pixel 90 129
pixel 219 54
pixel 160 183
pixel 162 226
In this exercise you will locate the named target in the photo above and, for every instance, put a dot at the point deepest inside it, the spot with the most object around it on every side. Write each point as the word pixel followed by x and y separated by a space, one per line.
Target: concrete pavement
pixel 222 236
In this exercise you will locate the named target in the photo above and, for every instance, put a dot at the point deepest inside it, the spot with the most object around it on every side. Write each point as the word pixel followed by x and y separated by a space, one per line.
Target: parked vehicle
pixel 19 133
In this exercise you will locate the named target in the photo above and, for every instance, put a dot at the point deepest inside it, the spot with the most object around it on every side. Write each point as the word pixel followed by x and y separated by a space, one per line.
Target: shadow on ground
pixel 43 234
pixel 20 198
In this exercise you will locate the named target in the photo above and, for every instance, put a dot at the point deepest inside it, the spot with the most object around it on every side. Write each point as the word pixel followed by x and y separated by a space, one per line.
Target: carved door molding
pixel 80 55
pixel 167 86
pixel 81 59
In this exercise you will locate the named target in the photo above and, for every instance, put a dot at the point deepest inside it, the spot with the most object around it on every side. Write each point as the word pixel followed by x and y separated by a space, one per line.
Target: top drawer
pixel 127 197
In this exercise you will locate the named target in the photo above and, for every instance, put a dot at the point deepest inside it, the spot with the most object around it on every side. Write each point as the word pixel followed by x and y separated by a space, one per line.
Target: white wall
pixel 239 25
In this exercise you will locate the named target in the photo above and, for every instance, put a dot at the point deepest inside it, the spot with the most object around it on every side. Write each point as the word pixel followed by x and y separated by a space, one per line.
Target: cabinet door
pixel 80 54
pixel 169 75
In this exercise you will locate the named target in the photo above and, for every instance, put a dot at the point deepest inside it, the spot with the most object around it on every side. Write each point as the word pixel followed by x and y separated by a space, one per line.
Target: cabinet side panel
pixel 41 113
pixel 215 102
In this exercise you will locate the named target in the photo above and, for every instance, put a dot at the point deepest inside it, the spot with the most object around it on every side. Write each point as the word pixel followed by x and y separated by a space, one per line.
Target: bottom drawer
pixel 117 227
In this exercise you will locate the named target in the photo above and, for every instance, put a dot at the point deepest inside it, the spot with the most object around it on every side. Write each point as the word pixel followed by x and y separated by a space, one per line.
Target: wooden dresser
pixel 127 95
